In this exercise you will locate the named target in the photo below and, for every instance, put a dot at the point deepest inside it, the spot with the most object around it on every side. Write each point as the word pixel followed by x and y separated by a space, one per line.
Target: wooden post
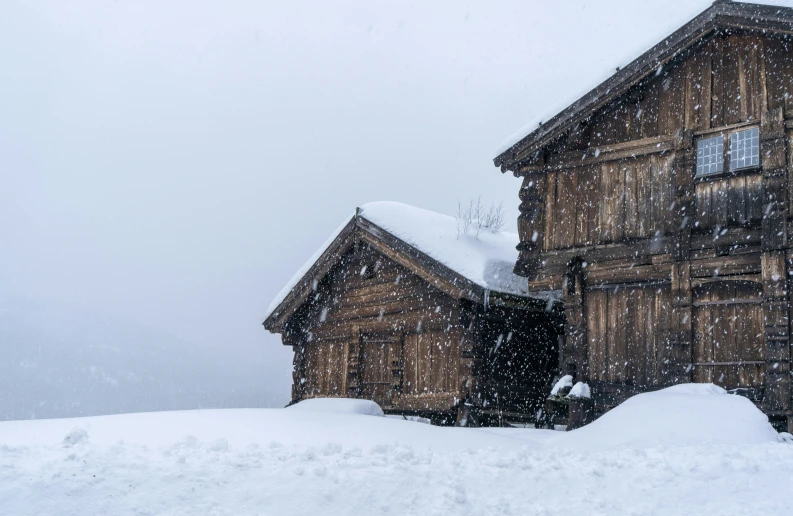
pixel 470 366
pixel 683 168
pixel 298 373
pixel 776 310
pixel 777 345
pixel 353 364
pixel 676 345
pixel 396 354
pixel 574 353
pixel 531 223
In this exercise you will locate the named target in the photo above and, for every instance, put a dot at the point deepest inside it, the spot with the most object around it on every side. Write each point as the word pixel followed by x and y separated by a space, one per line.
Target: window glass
pixel 745 149
pixel 710 156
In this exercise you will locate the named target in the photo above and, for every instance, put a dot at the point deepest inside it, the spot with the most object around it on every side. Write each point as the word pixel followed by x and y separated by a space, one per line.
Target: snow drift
pixel 340 406
pixel 709 453
pixel 686 414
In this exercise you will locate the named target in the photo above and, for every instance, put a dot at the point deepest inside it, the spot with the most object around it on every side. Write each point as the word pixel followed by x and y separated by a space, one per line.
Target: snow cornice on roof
pixel 722 15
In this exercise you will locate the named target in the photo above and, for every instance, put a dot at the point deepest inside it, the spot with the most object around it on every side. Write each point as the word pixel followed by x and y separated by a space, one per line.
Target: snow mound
pixel 580 390
pixel 564 381
pixel 340 406
pixel 687 414
pixel 75 436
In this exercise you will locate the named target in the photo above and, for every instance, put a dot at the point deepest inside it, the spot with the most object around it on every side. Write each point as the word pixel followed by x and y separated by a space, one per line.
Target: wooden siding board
pixel 729 332
pixel 717 84
pixel 731 81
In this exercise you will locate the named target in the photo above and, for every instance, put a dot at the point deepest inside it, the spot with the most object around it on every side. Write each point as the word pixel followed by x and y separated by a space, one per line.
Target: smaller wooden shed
pixel 400 308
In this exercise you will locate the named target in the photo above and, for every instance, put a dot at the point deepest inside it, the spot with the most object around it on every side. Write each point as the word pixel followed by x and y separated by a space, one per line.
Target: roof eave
pixel 718 16
pixel 275 320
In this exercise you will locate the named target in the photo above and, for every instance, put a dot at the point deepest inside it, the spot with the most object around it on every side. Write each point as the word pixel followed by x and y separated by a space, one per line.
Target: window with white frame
pixel 710 156
pixel 743 152
pixel 745 149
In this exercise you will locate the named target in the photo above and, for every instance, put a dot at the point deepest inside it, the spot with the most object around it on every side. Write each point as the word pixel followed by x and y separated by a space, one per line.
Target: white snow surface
pixel 701 451
pixel 580 390
pixel 564 381
pixel 570 92
pixel 486 260
pixel 340 406
pixel 686 414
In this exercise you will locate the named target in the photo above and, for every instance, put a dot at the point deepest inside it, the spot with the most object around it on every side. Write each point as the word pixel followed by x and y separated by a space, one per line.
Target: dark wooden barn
pixel 402 309
pixel 659 206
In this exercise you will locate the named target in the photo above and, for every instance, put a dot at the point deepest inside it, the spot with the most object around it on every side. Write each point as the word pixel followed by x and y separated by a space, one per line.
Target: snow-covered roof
pixel 571 94
pixel 485 260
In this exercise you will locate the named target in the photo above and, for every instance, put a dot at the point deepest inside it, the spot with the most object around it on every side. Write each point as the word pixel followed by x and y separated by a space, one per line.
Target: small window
pixel 745 149
pixel 729 151
pixel 710 156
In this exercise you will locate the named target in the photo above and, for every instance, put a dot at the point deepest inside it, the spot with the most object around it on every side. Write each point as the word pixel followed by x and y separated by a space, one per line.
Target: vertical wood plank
pixel 717 85
pixel 736 199
pixel 732 66
pixel 631 224
pixel 649 105
pixel 550 211
pixel 705 89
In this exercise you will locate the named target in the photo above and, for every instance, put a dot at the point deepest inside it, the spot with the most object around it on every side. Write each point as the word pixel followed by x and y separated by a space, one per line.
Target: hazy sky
pixel 174 162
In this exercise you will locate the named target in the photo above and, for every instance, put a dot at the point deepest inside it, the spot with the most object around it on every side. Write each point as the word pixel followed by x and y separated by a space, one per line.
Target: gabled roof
pixel 427 243
pixel 723 14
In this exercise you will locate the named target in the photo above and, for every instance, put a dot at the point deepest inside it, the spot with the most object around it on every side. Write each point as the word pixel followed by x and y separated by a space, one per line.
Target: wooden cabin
pixel 400 308
pixel 658 206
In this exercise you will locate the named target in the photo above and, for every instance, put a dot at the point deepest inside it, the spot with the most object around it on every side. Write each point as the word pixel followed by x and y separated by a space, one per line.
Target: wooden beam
pixel 606 153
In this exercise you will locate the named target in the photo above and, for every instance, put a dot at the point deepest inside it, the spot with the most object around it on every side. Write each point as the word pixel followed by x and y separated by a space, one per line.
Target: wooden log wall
pixel 375 330
pixel 625 343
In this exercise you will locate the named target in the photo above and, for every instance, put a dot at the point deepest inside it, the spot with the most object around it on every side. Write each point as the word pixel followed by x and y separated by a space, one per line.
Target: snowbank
pixel 340 406
pixel 687 414
pixel 307 462
pixel 295 426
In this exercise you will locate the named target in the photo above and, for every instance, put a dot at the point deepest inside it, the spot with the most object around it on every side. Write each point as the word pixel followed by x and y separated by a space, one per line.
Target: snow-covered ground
pixel 686 450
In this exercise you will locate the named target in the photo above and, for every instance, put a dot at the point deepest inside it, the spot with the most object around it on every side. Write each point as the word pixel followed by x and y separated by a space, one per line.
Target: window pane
pixel 710 156
pixel 745 149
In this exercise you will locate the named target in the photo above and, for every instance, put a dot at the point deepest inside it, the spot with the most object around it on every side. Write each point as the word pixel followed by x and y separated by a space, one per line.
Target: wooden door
pixel 431 363
pixel 728 334
pixel 622 324
pixel 380 355
pixel 325 368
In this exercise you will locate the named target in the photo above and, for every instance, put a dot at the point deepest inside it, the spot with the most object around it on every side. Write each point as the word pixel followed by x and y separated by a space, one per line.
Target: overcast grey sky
pixel 174 162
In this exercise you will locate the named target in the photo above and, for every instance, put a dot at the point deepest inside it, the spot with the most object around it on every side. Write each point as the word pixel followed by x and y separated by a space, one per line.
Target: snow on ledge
pixel 564 381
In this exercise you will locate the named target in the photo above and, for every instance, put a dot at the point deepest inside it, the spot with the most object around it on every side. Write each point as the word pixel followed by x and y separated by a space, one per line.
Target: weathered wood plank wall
pixel 677 271
pixel 377 331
